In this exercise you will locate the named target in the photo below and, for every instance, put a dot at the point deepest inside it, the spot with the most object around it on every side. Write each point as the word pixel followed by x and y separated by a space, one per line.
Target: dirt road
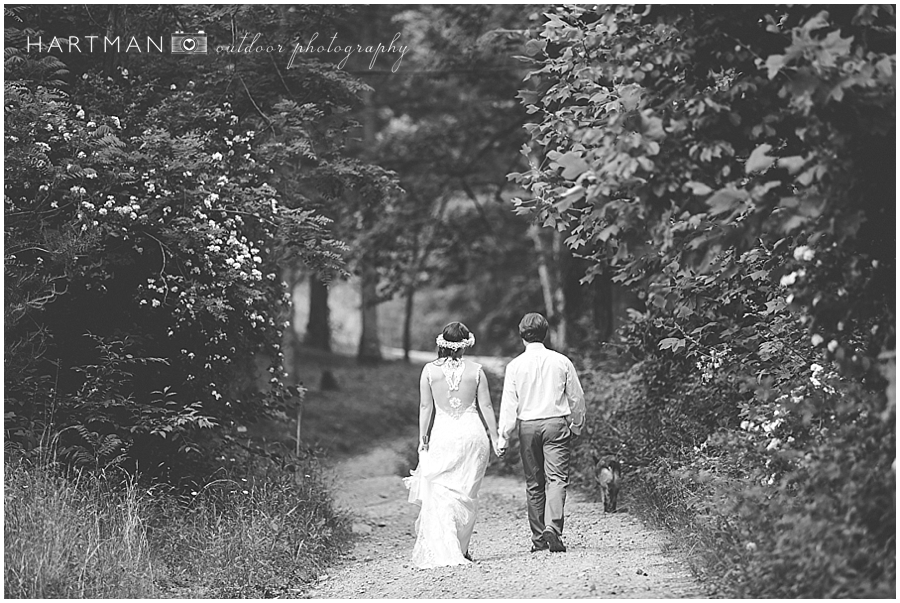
pixel 609 555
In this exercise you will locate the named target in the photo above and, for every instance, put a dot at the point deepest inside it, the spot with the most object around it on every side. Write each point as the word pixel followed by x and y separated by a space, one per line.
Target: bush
pixel 795 499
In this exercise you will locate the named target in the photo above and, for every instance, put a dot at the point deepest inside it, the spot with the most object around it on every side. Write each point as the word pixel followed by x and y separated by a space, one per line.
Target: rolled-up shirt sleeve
pixel 509 405
pixel 575 396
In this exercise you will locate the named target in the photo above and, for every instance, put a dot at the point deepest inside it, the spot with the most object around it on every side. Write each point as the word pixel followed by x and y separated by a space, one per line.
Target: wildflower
pixel 80 114
pixel 816 340
pixel 804 253
pixel 91 124
pixel 788 279
pixel 217 156
pixel 832 345
pixel 750 546
pixel 173 87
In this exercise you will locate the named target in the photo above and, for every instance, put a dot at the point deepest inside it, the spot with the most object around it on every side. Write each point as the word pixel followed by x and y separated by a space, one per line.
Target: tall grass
pixel 255 529
pixel 73 538
pixel 257 536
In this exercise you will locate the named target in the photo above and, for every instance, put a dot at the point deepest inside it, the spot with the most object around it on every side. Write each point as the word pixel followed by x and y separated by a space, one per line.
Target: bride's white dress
pixel 449 475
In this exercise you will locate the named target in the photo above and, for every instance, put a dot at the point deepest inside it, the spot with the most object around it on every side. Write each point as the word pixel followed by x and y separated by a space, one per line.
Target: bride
pixel 454 410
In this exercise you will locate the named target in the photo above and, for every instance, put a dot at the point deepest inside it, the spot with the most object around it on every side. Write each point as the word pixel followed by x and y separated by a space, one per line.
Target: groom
pixel 542 392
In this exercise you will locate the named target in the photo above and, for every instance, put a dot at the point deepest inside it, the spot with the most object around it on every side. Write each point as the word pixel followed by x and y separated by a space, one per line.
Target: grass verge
pixel 76 538
pixel 255 529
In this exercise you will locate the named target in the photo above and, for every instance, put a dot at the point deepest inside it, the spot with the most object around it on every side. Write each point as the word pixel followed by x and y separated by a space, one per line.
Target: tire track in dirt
pixel 609 555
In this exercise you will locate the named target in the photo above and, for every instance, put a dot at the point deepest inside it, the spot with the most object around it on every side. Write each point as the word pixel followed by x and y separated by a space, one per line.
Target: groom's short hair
pixel 533 327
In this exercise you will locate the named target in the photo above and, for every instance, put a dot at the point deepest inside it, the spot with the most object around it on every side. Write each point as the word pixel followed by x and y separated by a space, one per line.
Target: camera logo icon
pixel 189 43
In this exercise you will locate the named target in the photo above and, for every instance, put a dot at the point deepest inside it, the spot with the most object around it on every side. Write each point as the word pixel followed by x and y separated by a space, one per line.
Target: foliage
pixel 149 213
pixel 735 167
pixel 676 134
pixel 447 124
pixel 171 238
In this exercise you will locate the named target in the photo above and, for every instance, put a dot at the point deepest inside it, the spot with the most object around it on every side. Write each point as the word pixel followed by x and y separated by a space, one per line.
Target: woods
pixel 701 199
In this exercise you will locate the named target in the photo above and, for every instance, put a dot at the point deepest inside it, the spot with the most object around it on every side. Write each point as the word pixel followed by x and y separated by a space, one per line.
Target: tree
pixel 707 129
pixel 736 167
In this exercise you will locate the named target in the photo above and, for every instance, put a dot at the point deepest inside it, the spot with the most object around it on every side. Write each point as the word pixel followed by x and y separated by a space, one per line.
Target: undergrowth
pixel 74 538
pixel 755 518
pixel 256 528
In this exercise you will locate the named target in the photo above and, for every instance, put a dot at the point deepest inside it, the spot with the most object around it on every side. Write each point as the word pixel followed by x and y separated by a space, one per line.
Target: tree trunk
pixel 407 322
pixel 603 306
pixel 115 26
pixel 290 342
pixel 551 286
pixel 318 329
pixel 369 341
pixel 561 342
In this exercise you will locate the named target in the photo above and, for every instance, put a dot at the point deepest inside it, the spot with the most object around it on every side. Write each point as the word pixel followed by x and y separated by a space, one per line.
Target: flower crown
pixel 455 345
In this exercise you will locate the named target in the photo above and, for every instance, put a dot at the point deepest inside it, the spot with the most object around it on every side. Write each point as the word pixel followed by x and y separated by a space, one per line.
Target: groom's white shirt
pixel 540 384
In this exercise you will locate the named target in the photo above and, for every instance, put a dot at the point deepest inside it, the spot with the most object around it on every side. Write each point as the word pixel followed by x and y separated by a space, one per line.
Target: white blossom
pixel 804 253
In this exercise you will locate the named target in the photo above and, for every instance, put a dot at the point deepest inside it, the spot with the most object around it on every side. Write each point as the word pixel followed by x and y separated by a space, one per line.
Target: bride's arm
pixel 426 409
pixel 487 410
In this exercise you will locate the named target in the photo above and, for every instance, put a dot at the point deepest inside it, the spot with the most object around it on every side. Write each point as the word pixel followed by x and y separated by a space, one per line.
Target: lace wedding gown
pixel 449 475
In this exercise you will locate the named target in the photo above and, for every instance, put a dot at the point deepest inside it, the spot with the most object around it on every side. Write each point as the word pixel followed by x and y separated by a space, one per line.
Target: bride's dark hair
pixel 455 331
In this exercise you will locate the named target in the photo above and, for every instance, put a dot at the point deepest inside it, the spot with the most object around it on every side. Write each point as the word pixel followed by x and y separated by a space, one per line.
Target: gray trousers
pixel 545 445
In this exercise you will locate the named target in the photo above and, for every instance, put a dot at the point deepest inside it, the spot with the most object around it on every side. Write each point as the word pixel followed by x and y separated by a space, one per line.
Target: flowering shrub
pixel 165 234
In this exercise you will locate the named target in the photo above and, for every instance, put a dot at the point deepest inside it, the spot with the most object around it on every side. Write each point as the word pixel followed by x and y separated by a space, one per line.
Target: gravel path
pixel 609 555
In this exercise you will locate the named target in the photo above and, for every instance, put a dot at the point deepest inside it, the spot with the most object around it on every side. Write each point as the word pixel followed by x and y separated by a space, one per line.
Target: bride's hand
pixel 423 444
pixel 498 450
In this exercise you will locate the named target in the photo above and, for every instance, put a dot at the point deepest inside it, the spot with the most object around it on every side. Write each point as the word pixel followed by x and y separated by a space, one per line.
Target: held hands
pixel 423 444
pixel 500 446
